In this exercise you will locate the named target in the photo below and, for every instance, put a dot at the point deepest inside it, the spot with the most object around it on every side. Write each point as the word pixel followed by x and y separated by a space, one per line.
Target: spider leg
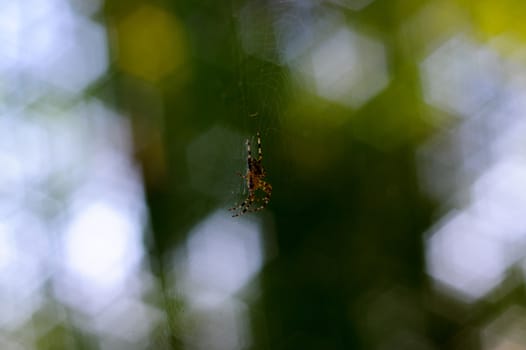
pixel 244 207
pixel 267 189
pixel 268 192
pixel 260 153
pixel 239 206
pixel 249 155
pixel 238 210
pixel 254 180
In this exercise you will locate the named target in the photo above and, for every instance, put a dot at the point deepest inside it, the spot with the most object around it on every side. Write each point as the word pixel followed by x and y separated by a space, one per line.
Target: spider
pixel 255 178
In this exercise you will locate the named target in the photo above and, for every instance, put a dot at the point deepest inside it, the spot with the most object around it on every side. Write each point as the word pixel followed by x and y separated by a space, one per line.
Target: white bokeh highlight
pixel 102 244
pixel 346 67
pixel 325 55
pixel 72 211
pixel 461 77
pixel 46 43
pixel 477 165
pixel 221 256
pixel 219 261
pixel 464 258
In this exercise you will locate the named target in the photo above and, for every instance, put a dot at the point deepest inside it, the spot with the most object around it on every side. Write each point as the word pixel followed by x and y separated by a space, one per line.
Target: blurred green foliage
pixel 347 215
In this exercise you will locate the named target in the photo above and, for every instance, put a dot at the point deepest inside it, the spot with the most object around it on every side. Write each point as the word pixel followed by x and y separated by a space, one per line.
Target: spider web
pixel 276 44
pixel 274 38
pixel 260 70
pixel 262 84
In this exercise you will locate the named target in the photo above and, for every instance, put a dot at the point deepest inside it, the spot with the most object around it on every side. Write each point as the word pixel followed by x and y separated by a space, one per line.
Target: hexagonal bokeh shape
pixel 463 258
pixel 460 77
pixel 346 67
pixel 151 43
pixel 85 61
pixel 46 43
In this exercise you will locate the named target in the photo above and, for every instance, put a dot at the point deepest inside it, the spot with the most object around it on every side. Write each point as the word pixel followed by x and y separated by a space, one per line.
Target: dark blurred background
pixel 393 134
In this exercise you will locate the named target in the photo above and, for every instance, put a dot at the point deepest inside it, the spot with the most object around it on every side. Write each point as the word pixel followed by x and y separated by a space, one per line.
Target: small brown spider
pixel 255 178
